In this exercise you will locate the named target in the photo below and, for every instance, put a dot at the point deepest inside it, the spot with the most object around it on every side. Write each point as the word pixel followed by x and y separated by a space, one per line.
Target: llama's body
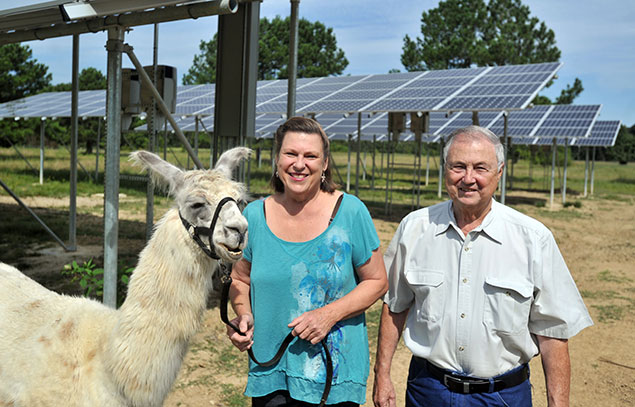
pixel 57 350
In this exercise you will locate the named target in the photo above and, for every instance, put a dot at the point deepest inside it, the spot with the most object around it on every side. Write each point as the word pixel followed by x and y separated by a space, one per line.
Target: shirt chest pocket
pixel 428 288
pixel 507 305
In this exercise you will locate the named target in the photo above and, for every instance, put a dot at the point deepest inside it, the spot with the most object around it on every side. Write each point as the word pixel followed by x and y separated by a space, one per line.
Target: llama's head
pixel 197 194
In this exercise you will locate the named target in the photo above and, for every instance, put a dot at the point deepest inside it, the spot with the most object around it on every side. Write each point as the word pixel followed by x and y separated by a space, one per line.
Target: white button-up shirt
pixel 476 301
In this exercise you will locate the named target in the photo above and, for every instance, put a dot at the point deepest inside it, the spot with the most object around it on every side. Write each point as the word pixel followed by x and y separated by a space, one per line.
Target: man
pixel 481 289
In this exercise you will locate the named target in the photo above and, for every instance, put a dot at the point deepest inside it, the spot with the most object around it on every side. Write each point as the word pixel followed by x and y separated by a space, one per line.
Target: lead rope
pixel 227 282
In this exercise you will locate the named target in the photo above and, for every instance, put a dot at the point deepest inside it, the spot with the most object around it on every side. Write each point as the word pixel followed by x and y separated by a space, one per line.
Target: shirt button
pixel 465 280
pixel 508 293
pixel 467 248
pixel 462 315
pixel 461 348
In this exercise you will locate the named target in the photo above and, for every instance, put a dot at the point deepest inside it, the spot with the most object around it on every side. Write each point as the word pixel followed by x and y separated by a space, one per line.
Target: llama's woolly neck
pixel 167 296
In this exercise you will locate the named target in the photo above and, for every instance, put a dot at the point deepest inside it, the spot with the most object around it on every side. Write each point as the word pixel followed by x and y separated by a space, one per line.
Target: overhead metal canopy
pixel 42 20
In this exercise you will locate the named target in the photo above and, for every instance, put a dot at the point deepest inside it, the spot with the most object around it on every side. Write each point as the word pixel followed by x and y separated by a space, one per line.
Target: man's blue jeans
pixel 426 391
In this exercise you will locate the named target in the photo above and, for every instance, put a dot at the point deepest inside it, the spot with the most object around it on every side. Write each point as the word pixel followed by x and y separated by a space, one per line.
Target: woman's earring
pixel 323 178
pixel 277 176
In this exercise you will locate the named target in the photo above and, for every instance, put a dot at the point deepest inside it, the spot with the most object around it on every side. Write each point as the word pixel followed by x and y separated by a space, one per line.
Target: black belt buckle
pixel 464 386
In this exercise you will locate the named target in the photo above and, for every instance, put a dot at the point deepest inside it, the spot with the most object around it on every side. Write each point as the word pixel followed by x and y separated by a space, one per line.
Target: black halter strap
pixel 197 231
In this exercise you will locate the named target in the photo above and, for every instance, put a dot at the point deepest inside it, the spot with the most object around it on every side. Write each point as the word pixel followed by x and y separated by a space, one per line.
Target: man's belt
pixel 468 385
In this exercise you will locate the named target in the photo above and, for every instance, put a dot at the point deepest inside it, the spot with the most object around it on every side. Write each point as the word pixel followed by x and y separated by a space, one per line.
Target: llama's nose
pixel 239 232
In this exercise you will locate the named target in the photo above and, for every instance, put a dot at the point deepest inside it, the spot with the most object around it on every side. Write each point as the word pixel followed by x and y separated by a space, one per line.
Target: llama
pixel 57 350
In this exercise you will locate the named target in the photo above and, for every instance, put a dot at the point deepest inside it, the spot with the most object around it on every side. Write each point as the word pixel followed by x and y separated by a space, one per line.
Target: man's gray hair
pixel 477 131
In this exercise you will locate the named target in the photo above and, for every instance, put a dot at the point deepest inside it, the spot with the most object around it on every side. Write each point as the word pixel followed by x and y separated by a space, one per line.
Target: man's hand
pixel 384 391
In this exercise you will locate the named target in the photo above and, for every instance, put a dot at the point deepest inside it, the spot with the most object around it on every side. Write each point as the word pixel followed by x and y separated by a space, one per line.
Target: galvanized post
pixel 348 165
pixel 97 149
pixel 152 130
pixel 564 174
pixel 72 208
pixel 586 170
pixel 372 178
pixel 111 195
pixel 42 129
pixel 592 167
pixel 359 146
pixel 293 58
pixel 553 172
pixel 441 164
pixel 506 144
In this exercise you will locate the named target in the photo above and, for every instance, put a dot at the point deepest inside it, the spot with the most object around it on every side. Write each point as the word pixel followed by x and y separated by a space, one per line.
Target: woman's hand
pixel 314 325
pixel 245 323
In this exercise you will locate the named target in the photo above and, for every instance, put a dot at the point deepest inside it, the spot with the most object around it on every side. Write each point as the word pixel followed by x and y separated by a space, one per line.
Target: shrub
pixel 91 279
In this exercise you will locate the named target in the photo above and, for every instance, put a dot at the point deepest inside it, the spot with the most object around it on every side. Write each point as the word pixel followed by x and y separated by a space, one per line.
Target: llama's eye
pixel 198 205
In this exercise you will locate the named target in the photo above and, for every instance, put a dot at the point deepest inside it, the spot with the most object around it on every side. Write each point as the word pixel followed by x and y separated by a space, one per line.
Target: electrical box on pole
pixel 130 96
pixel 396 123
pixel 166 85
pixel 417 122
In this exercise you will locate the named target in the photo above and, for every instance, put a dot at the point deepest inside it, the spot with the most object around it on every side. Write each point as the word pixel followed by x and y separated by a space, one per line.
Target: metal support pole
pixel 592 168
pixel 475 120
pixel 372 179
pixel 586 170
pixel 111 198
pixel 427 165
pixel 441 164
pixel 97 150
pixel 152 130
pixel 388 145
pixel 72 208
pixel 293 58
pixel 348 165
pixel 510 154
pixel 553 171
pixel 416 182
pixel 564 174
pixel 359 146
pixel 506 144
pixel 531 165
pixel 42 129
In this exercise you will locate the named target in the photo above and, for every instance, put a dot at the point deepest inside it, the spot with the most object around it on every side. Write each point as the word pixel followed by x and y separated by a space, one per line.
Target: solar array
pixel 509 87
pixel 527 126
pixel 603 134
pixel 91 103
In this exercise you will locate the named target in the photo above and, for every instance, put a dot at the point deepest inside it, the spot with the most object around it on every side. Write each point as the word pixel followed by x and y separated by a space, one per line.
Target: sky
pixel 596 38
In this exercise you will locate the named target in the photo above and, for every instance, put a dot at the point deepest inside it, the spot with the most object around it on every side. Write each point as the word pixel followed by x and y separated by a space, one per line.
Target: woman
pixel 312 265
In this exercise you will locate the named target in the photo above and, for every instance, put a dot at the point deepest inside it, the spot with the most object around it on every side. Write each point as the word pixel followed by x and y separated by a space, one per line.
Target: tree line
pixel 455 34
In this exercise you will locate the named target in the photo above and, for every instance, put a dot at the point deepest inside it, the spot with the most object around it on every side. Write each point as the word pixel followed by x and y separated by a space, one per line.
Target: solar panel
pixel 603 134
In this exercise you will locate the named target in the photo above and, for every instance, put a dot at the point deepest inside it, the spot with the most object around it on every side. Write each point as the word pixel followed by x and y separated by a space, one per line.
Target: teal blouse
pixel 290 278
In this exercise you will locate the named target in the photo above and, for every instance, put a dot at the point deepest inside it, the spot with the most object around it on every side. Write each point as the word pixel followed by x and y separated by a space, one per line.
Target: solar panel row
pixel 486 88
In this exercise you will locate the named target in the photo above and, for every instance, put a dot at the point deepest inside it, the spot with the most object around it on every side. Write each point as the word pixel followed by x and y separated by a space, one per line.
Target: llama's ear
pixel 162 172
pixel 230 160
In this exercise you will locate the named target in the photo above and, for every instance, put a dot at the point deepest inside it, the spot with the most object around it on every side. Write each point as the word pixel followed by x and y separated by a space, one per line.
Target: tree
pixel 20 74
pixel 318 54
pixel 513 36
pixel 571 92
pixel 452 37
pixel 464 33
pixel 89 79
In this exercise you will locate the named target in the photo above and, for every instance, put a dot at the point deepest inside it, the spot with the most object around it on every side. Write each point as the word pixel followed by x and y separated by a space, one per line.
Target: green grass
pixel 608 276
